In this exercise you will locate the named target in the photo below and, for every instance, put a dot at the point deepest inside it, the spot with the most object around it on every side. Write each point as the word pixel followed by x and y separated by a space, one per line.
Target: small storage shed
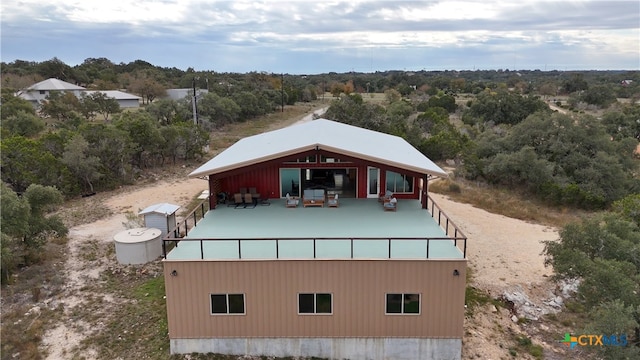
pixel 160 216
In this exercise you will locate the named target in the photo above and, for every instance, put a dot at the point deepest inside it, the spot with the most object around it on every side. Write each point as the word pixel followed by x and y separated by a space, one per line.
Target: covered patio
pixel 358 229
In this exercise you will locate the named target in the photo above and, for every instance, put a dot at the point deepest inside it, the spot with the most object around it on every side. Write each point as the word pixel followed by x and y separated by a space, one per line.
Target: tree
pixel 628 207
pixel 392 95
pixel 26 226
pixel 102 104
pixel 219 110
pixel 614 318
pixel 599 95
pixel 623 124
pixel 56 68
pixel 584 167
pixel 11 105
pixel 60 105
pixel 114 148
pixel 603 253
pixel 24 124
pixel 147 87
pixel 336 89
pixel 249 104
pixel 575 83
pixel 144 134
pixel 25 162
pixel 446 102
pixel 502 107
pixel 168 111
pixel 81 164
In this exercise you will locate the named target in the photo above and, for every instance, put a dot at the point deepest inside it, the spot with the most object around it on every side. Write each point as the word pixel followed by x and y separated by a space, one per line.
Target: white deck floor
pixel 277 232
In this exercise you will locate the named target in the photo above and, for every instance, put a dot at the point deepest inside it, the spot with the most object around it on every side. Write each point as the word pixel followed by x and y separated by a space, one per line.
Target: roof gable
pixel 54 84
pixel 162 208
pixel 321 134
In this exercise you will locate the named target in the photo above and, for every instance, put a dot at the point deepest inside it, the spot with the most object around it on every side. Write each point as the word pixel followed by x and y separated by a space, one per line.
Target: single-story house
pixel 38 92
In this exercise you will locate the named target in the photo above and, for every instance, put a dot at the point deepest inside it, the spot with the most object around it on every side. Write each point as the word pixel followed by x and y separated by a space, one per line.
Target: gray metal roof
pixel 54 84
pixel 115 94
pixel 325 135
pixel 162 208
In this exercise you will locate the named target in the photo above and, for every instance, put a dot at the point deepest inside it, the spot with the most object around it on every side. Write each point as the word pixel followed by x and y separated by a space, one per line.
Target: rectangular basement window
pixel 319 304
pixel 227 304
pixel 399 304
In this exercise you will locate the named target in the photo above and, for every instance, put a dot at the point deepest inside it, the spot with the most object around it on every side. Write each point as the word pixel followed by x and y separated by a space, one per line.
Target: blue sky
pixel 311 37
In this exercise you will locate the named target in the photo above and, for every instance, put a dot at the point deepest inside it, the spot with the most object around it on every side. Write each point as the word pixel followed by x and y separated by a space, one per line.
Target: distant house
pixel 125 100
pixel 279 269
pixel 38 92
pixel 181 94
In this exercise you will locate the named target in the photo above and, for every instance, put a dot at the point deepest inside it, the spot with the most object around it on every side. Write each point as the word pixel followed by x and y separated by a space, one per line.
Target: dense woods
pixel 496 125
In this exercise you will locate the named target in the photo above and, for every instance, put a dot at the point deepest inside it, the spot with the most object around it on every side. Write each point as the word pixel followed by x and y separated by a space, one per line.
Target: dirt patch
pixel 86 257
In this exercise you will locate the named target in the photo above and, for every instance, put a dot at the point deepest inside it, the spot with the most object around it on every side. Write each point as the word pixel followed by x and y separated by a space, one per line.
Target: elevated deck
pixel 357 229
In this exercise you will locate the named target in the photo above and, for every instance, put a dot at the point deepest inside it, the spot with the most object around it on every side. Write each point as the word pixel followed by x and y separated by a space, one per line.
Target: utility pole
pixel 282 89
pixel 195 100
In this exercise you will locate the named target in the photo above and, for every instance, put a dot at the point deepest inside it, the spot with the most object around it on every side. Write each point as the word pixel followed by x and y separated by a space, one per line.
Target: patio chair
pixel 290 201
pixel 249 202
pixel 391 205
pixel 237 201
pixel 385 197
pixel 243 190
pixel 333 202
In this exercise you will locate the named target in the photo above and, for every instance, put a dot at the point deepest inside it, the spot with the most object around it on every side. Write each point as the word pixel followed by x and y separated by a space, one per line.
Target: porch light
pixel 455 272
pixel 175 273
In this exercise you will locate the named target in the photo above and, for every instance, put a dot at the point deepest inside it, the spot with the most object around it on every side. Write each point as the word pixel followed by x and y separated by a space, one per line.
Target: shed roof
pixel 326 135
pixel 54 84
pixel 162 208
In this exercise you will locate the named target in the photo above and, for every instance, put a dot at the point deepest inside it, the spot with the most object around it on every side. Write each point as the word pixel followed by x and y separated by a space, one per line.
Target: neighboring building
pixel 37 93
pixel 181 94
pixel 125 100
pixel 352 281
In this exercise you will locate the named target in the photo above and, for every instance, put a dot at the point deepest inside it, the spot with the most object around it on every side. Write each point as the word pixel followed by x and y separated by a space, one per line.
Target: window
pixel 325 159
pixel 315 304
pixel 403 304
pixel 306 159
pixel 227 304
pixel 399 183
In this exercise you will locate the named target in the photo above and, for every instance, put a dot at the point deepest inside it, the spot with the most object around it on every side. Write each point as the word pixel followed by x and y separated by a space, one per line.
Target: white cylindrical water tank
pixel 138 246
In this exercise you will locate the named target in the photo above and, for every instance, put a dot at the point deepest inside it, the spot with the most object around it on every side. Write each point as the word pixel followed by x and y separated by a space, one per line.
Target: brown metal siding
pixel 358 289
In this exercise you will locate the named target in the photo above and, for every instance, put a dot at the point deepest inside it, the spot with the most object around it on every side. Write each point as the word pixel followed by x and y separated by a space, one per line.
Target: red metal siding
pixel 265 177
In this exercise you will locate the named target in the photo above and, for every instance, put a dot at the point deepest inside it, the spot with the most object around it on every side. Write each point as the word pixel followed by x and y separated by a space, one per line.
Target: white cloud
pixel 545 28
